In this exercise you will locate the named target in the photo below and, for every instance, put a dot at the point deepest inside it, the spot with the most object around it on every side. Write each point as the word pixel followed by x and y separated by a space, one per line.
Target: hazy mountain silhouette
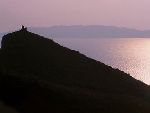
pixel 92 31
pixel 38 75
pixel 1 35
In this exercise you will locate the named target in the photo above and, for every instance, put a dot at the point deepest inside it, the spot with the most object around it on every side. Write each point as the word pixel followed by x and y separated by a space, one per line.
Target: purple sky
pixel 126 13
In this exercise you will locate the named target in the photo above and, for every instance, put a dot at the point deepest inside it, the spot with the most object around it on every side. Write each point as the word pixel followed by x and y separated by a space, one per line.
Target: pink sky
pixel 126 13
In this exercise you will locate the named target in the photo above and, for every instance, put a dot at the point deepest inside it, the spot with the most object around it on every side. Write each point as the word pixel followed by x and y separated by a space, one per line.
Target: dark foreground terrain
pixel 38 75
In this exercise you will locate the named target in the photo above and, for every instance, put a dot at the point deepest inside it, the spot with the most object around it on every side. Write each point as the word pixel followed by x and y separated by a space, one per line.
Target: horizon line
pixel 33 27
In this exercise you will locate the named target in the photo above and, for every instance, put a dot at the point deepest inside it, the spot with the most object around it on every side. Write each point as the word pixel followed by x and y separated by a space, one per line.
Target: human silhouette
pixel 23 28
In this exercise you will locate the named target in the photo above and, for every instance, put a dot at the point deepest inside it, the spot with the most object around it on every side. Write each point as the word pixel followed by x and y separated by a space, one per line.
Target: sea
pixel 131 55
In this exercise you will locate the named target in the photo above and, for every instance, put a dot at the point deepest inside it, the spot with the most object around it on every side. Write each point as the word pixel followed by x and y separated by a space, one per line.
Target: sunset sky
pixel 44 13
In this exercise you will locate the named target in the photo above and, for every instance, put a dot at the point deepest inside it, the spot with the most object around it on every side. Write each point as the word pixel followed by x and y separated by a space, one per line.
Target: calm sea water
pixel 131 55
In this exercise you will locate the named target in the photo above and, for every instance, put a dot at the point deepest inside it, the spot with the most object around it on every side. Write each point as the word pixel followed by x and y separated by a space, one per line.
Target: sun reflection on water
pixel 131 55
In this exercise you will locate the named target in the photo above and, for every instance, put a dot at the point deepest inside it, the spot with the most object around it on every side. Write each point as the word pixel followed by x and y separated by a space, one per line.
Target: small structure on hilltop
pixel 23 28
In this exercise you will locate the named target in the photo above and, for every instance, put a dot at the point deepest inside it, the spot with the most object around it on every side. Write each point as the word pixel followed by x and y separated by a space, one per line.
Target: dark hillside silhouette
pixel 39 75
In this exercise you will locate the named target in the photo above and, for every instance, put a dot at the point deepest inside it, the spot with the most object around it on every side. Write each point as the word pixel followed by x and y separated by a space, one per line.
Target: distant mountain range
pixel 1 35
pixel 91 31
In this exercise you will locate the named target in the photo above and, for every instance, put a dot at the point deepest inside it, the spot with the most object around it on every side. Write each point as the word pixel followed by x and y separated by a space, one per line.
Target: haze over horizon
pixel 39 13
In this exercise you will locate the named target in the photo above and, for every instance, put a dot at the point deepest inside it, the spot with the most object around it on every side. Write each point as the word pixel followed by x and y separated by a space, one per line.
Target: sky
pixel 45 13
